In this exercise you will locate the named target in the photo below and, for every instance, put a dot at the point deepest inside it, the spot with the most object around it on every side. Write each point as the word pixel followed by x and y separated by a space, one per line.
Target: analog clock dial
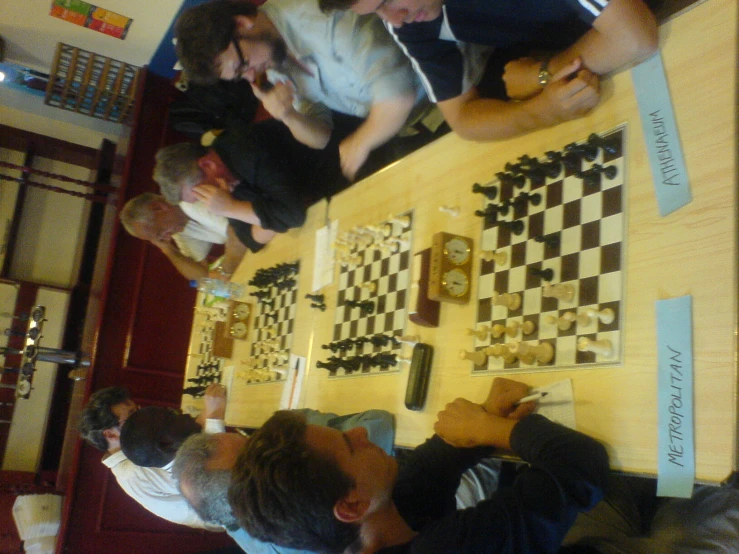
pixel 457 250
pixel 238 330
pixel 456 282
pixel 241 311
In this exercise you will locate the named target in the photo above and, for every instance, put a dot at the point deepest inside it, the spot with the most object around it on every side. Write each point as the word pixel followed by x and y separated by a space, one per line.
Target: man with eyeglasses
pixel 304 64
pixel 100 425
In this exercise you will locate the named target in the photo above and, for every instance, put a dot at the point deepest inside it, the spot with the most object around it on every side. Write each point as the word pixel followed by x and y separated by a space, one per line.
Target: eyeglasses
pixel 243 62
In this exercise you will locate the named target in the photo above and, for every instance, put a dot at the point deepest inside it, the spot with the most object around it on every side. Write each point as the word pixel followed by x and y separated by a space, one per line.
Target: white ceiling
pixel 31 34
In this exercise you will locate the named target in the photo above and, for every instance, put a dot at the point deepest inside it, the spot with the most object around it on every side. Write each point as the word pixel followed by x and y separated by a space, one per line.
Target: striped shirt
pixel 447 52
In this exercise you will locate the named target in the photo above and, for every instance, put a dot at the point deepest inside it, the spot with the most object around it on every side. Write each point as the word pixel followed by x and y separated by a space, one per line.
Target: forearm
pixel 188 268
pixel 234 252
pixel 242 210
pixel 626 31
pixel 484 119
pixel 311 131
pixel 384 121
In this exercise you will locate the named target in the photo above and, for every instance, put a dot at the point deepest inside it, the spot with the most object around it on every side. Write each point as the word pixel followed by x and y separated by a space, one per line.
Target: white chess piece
pixel 512 300
pixel 478 357
pixel 404 221
pixel 409 339
pixel 543 352
pixel 500 351
pixel 500 258
pixel 602 347
pixel 605 316
pixel 561 291
pixel 481 333
pixel 369 286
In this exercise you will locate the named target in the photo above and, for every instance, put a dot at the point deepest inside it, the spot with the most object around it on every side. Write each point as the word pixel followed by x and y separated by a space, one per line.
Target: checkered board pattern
pixel 274 322
pixel 391 273
pixel 210 368
pixel 590 224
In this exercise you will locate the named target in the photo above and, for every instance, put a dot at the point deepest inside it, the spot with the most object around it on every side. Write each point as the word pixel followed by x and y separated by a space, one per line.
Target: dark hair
pixel 151 436
pixel 203 32
pixel 207 489
pixel 97 416
pixel 284 492
pixel 328 6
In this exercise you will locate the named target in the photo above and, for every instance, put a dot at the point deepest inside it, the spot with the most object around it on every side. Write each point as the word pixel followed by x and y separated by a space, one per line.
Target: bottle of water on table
pixel 227 290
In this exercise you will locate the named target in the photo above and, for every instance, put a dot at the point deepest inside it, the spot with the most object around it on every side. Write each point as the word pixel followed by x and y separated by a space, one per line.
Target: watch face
pixel 456 282
pixel 238 330
pixel 457 251
pixel 241 311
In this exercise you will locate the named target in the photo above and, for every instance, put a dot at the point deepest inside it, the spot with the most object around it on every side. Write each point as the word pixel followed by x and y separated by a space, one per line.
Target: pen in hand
pixel 529 398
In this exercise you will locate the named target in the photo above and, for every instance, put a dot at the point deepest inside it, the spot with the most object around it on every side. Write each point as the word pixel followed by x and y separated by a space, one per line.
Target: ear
pixel 244 23
pixel 113 436
pixel 351 508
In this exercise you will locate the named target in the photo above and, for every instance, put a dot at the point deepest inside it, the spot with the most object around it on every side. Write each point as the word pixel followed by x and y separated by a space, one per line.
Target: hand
pixel 502 398
pixel 215 402
pixel 464 424
pixel 215 198
pixel 521 78
pixel 278 101
pixel 353 153
pixel 571 93
pixel 166 246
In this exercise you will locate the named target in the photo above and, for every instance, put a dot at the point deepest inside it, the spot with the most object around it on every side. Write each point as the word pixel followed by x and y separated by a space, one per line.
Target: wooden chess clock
pixel 450 270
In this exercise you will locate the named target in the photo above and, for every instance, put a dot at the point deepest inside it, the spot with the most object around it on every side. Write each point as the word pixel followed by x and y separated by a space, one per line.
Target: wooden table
pixel 691 251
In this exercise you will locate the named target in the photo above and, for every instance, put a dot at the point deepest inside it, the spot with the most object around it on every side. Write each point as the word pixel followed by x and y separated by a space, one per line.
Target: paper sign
pixel 323 261
pixel 676 455
pixel 87 15
pixel 661 135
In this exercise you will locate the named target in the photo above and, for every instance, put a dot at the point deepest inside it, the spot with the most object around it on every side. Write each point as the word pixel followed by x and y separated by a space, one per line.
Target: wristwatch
pixel 544 75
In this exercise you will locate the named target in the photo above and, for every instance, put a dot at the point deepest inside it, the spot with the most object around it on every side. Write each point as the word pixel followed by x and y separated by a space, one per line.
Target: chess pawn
pixel 562 323
pixel 512 301
pixel 561 291
pixel 528 327
pixel 543 352
pixel 369 286
pixel 500 258
pixel 602 347
pixel 605 316
pixel 500 351
pixel 478 357
pixel 452 211
pixel 481 333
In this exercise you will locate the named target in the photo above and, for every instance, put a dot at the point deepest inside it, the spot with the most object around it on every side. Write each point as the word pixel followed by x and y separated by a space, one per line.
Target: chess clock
pixel 450 269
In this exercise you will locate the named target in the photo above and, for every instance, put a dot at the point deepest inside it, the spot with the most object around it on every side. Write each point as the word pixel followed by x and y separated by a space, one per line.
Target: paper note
pixel 661 135
pixel 676 456
pixel 294 383
pixel 558 405
pixel 323 266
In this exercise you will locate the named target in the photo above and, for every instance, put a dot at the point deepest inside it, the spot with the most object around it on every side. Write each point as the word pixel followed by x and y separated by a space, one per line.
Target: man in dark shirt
pixel 258 176
pixel 576 41
pixel 309 487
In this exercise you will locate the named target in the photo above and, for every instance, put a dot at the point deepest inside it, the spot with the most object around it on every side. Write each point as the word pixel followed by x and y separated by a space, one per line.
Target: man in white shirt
pixel 153 488
pixel 184 233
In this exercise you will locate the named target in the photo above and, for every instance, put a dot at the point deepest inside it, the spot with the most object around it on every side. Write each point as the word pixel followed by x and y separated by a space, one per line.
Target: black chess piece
pixel 610 171
pixel 546 274
pixel 490 192
pixel 318 306
pixel 509 179
pixel 552 241
pixel 608 146
pixel 331 366
pixel 490 213
pixel 585 151
pixel 267 303
pixel 523 197
pixel 316 298
pixel 516 227
pixel 195 392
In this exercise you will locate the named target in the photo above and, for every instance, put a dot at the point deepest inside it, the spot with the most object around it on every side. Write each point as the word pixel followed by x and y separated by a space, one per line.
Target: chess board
pixel 391 274
pixel 209 368
pixel 272 329
pixel 589 222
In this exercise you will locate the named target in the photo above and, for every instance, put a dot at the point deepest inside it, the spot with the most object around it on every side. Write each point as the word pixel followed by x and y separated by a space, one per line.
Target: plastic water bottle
pixel 216 287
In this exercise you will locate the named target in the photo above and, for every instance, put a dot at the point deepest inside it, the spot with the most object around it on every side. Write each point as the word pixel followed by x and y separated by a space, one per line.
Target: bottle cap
pixel 194 283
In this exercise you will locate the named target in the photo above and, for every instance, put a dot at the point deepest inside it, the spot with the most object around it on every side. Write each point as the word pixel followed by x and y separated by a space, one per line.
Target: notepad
pixel 559 404
pixel 323 266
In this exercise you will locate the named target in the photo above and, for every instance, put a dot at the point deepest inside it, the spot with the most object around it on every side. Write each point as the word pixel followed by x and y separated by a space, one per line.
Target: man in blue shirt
pixel 576 41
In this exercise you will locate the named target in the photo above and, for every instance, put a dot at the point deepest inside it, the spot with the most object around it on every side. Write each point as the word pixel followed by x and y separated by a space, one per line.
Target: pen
pixel 529 398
